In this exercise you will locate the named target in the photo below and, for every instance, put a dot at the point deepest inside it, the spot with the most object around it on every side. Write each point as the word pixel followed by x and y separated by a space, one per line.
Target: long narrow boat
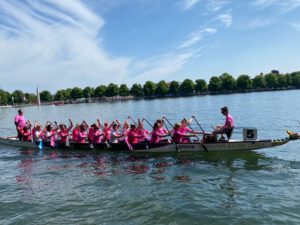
pixel 146 147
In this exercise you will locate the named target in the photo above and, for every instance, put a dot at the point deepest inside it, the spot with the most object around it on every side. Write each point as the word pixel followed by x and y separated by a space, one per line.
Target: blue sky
pixel 58 44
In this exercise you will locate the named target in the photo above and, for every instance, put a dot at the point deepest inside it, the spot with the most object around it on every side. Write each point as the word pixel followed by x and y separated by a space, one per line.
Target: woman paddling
pixel 64 134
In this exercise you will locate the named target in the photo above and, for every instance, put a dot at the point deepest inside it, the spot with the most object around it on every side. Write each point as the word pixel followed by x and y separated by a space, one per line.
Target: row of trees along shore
pixel 225 83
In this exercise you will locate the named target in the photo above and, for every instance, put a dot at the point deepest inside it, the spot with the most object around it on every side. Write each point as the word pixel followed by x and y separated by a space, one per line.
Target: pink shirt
pixel 91 134
pixel 81 137
pixel 177 136
pixel 229 120
pixel 75 134
pixel 20 121
pixel 162 131
pixel 63 136
pixel 155 138
pixel 185 130
pixel 96 136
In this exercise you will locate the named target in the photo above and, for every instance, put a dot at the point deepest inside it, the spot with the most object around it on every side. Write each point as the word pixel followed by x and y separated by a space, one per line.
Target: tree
pixel 259 82
pixel 60 95
pixel 88 92
pixel 30 98
pixel 187 87
pixel 228 82
pixel 112 90
pixel 18 96
pixel 282 81
pixel 296 80
pixel 5 97
pixel 271 80
pixel 215 84
pixel 243 82
pixel 162 88
pixel 136 90
pixel 68 93
pixel 123 90
pixel 45 96
pixel 76 93
pixel 200 86
pixel 149 88
pixel 100 91
pixel 174 88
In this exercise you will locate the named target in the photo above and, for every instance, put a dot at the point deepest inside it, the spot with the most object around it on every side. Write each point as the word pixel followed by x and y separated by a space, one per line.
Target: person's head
pixel 38 127
pixel 156 126
pixel 49 127
pixel 132 127
pixel 62 127
pixel 177 126
pixel 160 122
pixel 25 129
pixel 106 124
pixel 20 112
pixel 96 127
pixel 82 127
pixel 184 122
pixel 115 126
pixel 224 110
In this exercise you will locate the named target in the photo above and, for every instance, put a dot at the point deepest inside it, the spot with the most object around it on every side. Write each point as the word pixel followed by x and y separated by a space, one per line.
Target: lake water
pixel 259 187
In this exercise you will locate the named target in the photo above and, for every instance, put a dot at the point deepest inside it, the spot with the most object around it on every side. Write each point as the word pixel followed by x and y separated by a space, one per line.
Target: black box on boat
pixel 209 138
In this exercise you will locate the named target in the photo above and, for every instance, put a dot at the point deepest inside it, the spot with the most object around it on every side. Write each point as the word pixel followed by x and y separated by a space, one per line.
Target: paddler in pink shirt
pixel 64 133
pixel 228 126
pixel 20 122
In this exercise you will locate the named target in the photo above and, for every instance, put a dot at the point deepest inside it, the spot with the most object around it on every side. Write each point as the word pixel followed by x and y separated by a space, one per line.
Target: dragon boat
pixel 164 147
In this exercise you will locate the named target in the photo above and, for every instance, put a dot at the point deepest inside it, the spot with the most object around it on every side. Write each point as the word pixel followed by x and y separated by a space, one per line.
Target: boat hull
pixel 145 147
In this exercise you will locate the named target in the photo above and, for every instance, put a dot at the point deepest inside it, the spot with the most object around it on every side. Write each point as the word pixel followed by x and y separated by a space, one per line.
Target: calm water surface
pixel 259 187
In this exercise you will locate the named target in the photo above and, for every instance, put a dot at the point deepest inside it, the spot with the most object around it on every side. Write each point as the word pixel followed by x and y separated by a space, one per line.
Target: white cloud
pixel 186 4
pixel 216 5
pixel 196 36
pixel 283 6
pixel 225 19
pixel 54 44
pixel 258 23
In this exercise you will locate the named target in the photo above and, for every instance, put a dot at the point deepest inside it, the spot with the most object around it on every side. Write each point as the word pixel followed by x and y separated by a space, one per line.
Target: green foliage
pixel 76 93
pixel 100 91
pixel 259 81
pixel 45 96
pixel 5 97
pixel 187 87
pixel 137 90
pixel 112 90
pixel 228 82
pixel 88 92
pixel 271 80
pixel 149 88
pixel 162 88
pixel 243 82
pixel 174 88
pixel 60 95
pixel 296 80
pixel 200 86
pixel 123 90
pixel 215 84
pixel 18 97
pixel 282 81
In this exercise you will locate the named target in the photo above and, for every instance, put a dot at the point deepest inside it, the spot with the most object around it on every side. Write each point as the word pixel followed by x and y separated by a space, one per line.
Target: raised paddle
pixel 147 122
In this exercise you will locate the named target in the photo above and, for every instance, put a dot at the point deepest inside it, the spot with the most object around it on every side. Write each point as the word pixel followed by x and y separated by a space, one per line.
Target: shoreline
pixel 137 98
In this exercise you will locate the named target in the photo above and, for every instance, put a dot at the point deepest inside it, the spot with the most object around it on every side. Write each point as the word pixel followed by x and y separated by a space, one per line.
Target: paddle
pixel 148 122
pixel 204 147
pixel 165 118
pixel 129 117
pixel 198 124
